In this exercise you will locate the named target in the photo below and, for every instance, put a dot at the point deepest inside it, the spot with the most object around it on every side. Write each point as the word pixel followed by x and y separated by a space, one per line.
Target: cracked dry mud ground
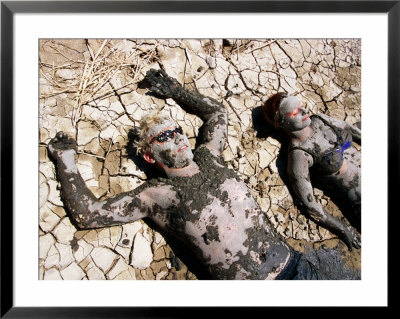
pixel 89 89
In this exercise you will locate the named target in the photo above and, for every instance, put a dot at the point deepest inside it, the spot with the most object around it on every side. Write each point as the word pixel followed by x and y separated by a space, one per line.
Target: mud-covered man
pixel 201 201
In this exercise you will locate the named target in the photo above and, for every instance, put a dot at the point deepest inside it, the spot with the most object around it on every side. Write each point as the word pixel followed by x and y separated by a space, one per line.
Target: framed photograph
pixel 93 70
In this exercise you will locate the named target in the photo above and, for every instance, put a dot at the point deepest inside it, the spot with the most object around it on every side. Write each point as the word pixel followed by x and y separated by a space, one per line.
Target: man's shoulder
pixel 203 154
pixel 201 148
pixel 155 181
pixel 200 152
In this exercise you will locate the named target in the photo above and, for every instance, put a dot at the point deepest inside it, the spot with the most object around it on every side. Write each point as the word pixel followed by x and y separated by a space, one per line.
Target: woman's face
pixel 169 146
pixel 293 114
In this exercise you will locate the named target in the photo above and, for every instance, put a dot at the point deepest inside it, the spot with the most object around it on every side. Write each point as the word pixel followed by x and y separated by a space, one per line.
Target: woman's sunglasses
pixel 166 135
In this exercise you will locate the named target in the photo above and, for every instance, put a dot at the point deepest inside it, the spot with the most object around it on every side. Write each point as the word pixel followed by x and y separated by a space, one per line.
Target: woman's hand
pixel 351 238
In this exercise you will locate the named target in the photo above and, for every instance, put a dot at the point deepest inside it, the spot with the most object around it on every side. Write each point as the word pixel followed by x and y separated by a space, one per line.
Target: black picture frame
pixel 9 8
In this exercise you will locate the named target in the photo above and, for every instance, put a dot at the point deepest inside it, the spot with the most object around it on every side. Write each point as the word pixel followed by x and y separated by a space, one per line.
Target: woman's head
pixel 271 108
pixel 286 111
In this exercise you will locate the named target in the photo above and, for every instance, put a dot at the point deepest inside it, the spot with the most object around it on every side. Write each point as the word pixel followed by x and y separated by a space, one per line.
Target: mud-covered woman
pixel 200 200
pixel 320 145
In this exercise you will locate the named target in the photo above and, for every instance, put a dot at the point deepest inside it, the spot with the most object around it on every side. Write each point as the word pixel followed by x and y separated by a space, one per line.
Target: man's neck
pixel 186 171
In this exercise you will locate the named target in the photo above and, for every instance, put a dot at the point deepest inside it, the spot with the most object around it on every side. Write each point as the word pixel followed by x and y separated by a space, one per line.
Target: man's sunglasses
pixel 166 135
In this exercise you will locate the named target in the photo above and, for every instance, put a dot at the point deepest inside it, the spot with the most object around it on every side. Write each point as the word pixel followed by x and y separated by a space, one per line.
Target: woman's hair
pixel 156 117
pixel 271 108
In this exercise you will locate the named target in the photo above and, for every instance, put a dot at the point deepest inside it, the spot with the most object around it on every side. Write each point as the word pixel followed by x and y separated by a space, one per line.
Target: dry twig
pixel 93 74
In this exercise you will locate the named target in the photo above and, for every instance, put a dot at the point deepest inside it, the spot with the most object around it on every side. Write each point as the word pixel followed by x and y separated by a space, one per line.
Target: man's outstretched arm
pixel 86 210
pixel 212 113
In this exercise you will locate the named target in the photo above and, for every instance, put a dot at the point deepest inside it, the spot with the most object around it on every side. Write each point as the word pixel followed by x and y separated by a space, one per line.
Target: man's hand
pixel 351 238
pixel 162 84
pixel 59 144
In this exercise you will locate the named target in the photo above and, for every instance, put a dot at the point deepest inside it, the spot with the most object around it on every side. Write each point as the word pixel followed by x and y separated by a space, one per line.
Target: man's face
pixel 169 146
pixel 294 115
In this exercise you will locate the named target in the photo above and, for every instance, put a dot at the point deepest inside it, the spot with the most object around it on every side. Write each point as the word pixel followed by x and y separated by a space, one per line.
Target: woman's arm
pixel 212 113
pixel 298 171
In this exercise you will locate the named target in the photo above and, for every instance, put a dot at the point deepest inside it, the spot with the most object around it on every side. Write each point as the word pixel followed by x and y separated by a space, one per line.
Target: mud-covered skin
pixel 204 203
pixel 319 138
pixel 222 223
pixel 176 154
pixel 218 217
pixel 210 111
pixel 86 210
pixel 209 208
pixel 212 212
pixel 293 115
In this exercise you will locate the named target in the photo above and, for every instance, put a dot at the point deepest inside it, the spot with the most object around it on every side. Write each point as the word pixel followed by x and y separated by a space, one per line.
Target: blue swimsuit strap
pixel 341 144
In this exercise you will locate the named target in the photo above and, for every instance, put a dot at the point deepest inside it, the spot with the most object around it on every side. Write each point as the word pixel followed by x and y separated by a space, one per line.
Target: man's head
pixel 162 142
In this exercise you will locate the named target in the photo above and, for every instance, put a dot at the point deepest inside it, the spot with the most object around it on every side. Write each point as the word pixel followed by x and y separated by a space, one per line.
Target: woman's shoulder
pixel 306 146
pixel 295 148
pixel 319 119
pixel 330 121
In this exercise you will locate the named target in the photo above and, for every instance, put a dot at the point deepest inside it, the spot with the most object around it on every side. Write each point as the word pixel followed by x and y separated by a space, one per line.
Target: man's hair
pixel 156 117
pixel 271 108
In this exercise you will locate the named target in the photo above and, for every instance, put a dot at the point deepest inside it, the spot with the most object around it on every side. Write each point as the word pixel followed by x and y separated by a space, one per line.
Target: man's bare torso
pixel 214 214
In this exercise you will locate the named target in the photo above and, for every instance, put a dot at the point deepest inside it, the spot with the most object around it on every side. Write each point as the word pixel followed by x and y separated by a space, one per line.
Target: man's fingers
pixel 59 136
pixel 162 72
pixel 156 90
